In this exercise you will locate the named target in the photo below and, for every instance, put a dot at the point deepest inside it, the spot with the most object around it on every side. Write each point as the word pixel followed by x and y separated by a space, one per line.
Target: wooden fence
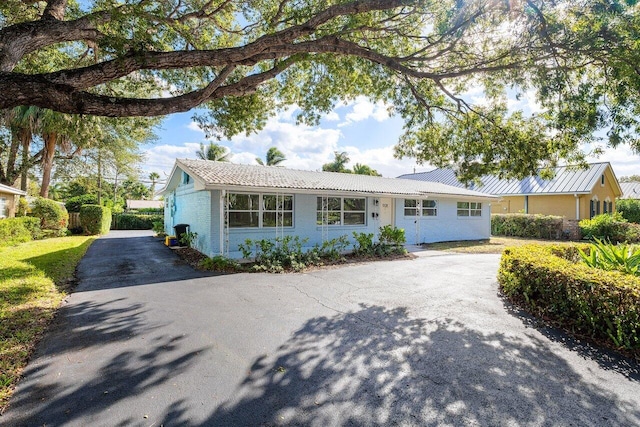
pixel 74 220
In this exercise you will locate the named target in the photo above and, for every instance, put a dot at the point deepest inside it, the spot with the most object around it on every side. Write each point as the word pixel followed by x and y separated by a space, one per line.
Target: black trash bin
pixel 180 230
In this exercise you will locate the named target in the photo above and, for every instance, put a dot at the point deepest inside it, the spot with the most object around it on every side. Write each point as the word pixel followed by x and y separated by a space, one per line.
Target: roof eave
pixel 245 188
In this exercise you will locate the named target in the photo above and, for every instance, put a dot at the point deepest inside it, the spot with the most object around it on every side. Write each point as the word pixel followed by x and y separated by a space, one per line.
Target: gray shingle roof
pixel 228 175
pixel 11 190
pixel 630 190
pixel 566 180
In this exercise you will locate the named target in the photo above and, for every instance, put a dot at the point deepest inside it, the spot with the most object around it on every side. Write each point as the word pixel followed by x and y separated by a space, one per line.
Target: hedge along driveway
pixel 145 341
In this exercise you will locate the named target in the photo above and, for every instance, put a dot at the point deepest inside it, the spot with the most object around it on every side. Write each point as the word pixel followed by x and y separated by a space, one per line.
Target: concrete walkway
pixel 145 341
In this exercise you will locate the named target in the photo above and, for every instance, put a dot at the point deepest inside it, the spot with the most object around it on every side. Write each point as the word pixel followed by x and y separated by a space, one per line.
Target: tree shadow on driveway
pixel 605 358
pixel 44 398
pixel 379 366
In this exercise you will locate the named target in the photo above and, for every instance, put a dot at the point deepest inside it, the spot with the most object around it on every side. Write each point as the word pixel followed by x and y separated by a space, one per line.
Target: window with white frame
pixel 260 210
pixel 3 207
pixel 341 210
pixel 277 210
pixel 469 209
pixel 420 207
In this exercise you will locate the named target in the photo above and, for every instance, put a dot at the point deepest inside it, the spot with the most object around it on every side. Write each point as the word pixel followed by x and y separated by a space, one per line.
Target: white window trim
pixel 420 208
pixel 261 210
pixel 479 207
pixel 4 207
pixel 342 211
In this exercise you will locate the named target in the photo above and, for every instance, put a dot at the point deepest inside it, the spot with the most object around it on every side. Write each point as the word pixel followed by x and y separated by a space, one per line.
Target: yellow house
pixel 9 200
pixel 573 193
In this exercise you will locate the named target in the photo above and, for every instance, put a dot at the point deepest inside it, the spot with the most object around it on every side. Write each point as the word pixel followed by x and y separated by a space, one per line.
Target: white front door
pixel 386 211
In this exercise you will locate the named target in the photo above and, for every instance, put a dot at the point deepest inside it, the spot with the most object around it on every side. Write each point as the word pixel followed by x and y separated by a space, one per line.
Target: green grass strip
pixel 34 279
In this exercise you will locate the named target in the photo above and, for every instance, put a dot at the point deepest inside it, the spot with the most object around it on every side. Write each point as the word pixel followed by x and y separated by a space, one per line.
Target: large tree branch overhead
pixel 122 48
pixel 241 61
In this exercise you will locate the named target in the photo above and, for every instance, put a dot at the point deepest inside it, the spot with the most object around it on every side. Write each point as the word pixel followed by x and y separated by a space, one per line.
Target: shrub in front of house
pixel 32 224
pixel 95 219
pixel 14 231
pixel 553 283
pixel 532 226
pixel 391 240
pixel 23 207
pixel 53 216
pixel 75 203
pixel 611 227
pixel 629 209
pixel 135 222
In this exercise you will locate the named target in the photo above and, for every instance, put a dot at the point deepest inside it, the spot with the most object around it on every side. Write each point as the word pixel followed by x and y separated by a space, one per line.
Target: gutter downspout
pixel 577 207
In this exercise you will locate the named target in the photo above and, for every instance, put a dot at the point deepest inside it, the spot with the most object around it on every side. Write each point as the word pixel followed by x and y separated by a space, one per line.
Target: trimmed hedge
pixel 95 219
pixel 135 222
pixel 75 203
pixel 527 225
pixel 53 216
pixel 551 282
pixel 629 209
pixel 611 227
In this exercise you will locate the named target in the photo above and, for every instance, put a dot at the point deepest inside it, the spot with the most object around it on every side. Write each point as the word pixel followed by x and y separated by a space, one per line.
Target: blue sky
pixel 361 128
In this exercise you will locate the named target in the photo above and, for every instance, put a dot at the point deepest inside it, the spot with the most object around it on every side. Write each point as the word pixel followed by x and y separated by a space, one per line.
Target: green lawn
pixel 34 278
pixel 495 245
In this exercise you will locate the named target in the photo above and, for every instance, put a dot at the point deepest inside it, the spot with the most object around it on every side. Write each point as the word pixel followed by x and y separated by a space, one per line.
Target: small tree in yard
pixel 53 216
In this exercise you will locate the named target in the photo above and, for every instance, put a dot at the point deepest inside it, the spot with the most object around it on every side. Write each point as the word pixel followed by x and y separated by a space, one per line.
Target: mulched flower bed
pixel 193 258
pixel 190 256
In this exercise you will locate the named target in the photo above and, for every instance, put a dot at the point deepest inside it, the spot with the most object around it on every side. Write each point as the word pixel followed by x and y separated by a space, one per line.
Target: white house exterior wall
pixel 192 207
pixel 446 225
pixel 304 224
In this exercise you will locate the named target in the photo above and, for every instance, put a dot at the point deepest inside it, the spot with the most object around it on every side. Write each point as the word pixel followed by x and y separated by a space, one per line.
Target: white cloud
pixel 305 147
pixel 382 160
pixel 331 116
pixel 195 127
pixel 623 160
pixel 363 109
pixel 160 158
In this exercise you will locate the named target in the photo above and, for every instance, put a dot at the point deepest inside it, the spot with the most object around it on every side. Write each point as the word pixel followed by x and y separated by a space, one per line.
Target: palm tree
pixel 153 177
pixel 274 157
pixel 214 152
pixel 338 163
pixel 360 169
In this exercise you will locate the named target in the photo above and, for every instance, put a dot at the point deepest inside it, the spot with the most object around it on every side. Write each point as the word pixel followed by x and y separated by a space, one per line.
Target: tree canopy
pixel 244 60
pixel 274 157
pixel 338 164
pixel 214 152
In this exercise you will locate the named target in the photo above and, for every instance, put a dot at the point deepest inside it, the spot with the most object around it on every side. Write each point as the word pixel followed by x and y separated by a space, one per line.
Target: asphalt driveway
pixel 145 341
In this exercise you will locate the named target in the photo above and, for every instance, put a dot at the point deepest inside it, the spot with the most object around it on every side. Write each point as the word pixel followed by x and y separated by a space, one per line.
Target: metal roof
pixel 224 175
pixel 630 190
pixel 566 180
pixel 11 190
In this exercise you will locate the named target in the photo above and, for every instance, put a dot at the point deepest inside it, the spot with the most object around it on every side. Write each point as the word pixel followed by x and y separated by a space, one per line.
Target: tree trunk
pixel 26 144
pixel 11 160
pixel 99 178
pixel 47 161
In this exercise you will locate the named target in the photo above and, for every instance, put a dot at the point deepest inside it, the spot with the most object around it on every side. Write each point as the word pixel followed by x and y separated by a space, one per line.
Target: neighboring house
pixel 630 190
pixel 9 200
pixel 144 204
pixel 572 193
pixel 228 203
